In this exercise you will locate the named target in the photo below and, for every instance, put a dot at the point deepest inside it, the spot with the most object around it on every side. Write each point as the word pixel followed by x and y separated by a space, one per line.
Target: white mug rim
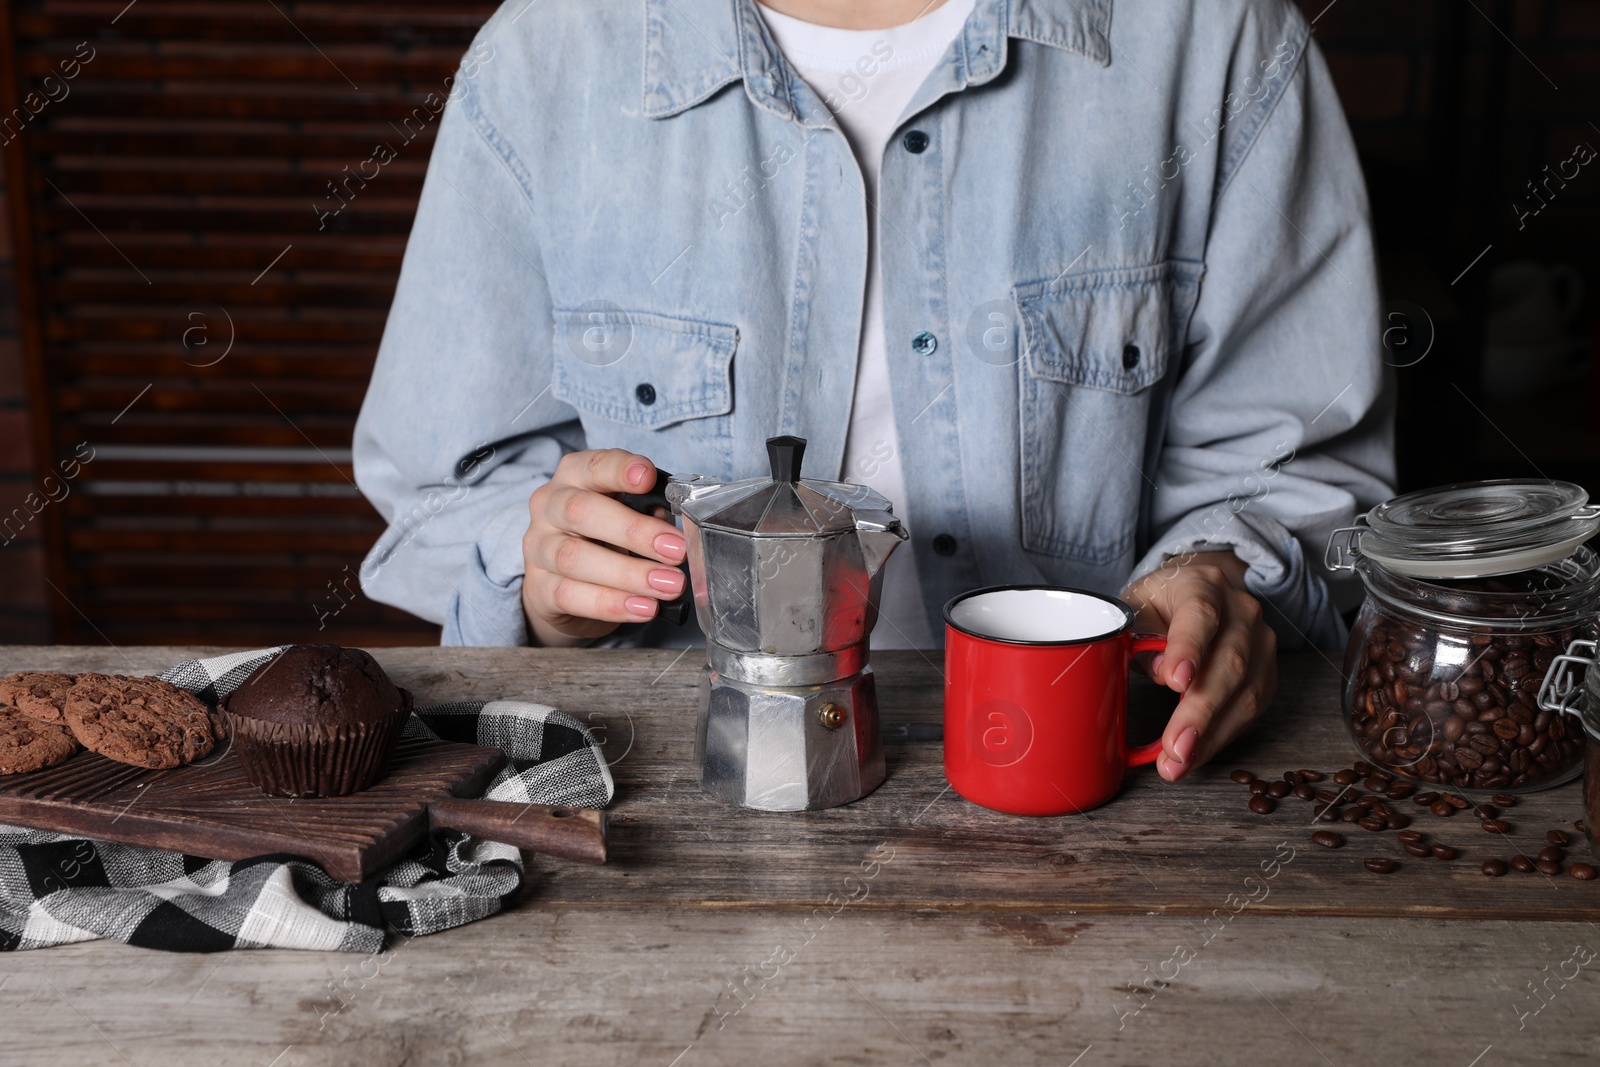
pixel 1127 615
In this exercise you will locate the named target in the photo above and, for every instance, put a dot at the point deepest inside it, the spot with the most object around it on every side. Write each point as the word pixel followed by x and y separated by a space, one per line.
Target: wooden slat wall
pixel 165 208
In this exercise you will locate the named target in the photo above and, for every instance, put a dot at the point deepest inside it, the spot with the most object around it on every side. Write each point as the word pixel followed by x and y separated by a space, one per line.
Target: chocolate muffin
pixel 316 721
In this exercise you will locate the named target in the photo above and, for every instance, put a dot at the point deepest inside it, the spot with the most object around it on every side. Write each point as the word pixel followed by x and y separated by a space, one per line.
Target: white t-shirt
pixel 866 78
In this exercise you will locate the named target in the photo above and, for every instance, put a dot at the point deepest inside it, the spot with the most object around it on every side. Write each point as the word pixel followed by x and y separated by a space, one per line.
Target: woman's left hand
pixel 1221 654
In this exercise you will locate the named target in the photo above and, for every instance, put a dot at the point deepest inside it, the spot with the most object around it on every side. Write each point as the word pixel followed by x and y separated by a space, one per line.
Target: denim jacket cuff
pixel 484 611
pixel 1298 603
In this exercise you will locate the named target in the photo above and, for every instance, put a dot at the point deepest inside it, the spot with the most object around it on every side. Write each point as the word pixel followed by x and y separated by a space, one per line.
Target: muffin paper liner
pixel 316 759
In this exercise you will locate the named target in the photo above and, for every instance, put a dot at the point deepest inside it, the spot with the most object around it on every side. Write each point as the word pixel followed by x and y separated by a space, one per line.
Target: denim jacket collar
pixel 695 47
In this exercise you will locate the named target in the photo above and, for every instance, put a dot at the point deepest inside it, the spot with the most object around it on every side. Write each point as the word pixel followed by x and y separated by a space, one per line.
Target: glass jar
pixel 1472 592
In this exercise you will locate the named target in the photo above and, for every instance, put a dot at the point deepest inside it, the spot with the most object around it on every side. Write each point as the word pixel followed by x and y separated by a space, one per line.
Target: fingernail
pixel 642 606
pixel 1182 675
pixel 671 545
pixel 1155 664
pixel 1184 745
pixel 637 473
pixel 669 582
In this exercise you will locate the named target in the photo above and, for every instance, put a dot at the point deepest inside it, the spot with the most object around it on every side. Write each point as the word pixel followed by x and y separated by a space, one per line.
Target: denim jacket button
pixel 944 545
pixel 924 343
pixel 916 142
pixel 646 393
pixel 1130 356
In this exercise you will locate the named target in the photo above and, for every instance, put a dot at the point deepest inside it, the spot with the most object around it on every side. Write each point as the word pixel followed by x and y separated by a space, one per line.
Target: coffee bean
pixel 1311 776
pixel 1547 867
pixel 1400 790
pixel 1327 814
pixel 1558 838
pixel 1362 769
pixel 1551 854
pixel 1521 863
pixel 1441 809
pixel 1328 796
pixel 1425 798
pixel 1411 837
pixel 1373 823
pixel 1345 777
pixel 1350 814
pixel 1505 800
pixel 1304 791
pixel 1493 868
pixel 1486 811
pixel 1380 865
pixel 1420 851
pixel 1263 805
pixel 1496 826
pixel 1456 801
pixel 1396 821
pixel 1327 839
pixel 1376 785
pixel 1291 777
pixel 1242 776
pixel 1278 790
pixel 1444 852
pixel 1583 872
pixel 1258 787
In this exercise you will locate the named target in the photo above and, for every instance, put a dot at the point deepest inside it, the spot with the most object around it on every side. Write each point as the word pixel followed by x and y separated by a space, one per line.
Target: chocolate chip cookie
pixel 141 721
pixel 37 694
pixel 29 745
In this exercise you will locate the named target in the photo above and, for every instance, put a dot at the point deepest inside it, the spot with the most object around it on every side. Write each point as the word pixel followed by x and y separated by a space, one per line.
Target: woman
pixel 1085 287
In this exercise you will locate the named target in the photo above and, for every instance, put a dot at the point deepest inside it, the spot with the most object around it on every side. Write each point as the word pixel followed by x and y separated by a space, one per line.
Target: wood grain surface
pixel 909 928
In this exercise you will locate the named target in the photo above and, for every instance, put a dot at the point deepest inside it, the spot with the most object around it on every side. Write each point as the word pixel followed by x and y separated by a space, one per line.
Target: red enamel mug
pixel 1036 698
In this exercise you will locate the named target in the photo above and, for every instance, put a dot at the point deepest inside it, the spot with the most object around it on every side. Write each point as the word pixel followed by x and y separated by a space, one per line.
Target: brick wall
pixel 23 608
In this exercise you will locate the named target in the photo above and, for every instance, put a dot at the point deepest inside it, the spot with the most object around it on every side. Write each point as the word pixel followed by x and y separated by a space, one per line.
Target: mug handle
pixel 1147 643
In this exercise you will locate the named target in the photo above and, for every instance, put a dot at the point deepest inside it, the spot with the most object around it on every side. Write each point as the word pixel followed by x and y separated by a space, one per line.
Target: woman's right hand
pixel 580 583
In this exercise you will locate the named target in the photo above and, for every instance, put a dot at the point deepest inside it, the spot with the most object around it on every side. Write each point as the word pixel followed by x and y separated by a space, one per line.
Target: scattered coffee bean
pixel 1263 805
pixel 1373 823
pixel 1345 777
pixel 1583 872
pixel 1242 776
pixel 1486 811
pixel 1444 852
pixel 1304 791
pixel 1505 800
pixel 1327 796
pixel 1558 838
pixel 1400 790
pixel 1258 787
pixel 1291 777
pixel 1328 814
pixel 1455 800
pixel 1377 785
pixel 1380 864
pixel 1420 851
pixel 1327 839
pixel 1547 867
pixel 1311 776
pixel 1425 798
pixel 1521 863
pixel 1494 868
pixel 1441 809
pixel 1278 790
pixel 1361 769
pixel 1411 837
pixel 1396 821
pixel 1551 854
pixel 1496 826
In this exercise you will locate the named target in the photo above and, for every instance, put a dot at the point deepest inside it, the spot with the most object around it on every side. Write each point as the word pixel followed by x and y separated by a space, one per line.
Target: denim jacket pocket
pixel 653 384
pixel 1096 347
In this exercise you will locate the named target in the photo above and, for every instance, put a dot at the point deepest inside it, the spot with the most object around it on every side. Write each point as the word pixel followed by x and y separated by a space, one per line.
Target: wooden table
pixel 1171 926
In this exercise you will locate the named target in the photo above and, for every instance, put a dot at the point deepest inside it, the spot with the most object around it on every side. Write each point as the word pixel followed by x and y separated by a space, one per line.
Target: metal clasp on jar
pixel 1563 679
pixel 1343 548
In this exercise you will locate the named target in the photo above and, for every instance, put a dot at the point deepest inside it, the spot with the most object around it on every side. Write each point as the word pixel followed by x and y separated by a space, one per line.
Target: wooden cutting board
pixel 210 809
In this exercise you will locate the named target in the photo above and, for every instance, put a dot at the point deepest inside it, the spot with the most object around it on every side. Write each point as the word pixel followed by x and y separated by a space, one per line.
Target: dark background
pixel 147 203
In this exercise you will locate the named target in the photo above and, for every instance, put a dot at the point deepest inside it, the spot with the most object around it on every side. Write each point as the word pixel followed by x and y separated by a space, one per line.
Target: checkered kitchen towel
pixel 56 889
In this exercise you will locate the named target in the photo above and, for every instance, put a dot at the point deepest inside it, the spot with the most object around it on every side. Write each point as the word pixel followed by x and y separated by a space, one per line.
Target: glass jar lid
pixel 1471 529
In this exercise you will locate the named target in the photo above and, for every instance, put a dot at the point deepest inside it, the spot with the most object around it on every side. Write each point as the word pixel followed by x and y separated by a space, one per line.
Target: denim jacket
pixel 1130 295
